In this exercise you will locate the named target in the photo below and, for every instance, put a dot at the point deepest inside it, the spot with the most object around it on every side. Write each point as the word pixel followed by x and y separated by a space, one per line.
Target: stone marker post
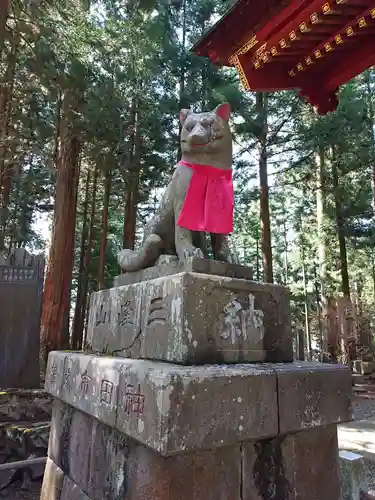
pixel 188 391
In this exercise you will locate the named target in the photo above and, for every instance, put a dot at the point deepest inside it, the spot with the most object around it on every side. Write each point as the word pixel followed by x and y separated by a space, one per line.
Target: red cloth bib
pixel 209 201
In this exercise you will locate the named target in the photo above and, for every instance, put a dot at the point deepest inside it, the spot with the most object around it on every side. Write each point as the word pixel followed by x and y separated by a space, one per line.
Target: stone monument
pixel 187 389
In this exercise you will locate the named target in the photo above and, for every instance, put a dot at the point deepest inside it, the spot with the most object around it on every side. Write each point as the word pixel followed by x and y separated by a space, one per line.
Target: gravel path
pixel 364 408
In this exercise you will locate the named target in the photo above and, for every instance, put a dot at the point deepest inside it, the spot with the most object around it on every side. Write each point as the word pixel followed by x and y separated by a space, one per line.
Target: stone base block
pixel 302 465
pixel 353 475
pixel 192 318
pixel 52 482
pixel 363 367
pixel 168 265
pixel 169 408
pixel 174 409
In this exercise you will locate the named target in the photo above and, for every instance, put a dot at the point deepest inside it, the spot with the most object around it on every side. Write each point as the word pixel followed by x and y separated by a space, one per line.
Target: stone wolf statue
pixel 198 199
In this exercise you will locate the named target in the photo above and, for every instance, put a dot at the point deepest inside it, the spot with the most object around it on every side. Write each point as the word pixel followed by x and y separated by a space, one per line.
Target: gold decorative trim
pixel 300 67
pixel 372 12
pixel 261 55
pixel 283 43
pixel 328 47
pixel 292 35
pixel 236 61
pixel 292 72
pixel 245 48
pixel 308 60
pixel 338 39
pixel 349 31
pixel 317 54
pixel 326 8
pixel 362 22
pixel 314 18
pixel 303 27
pixel 274 51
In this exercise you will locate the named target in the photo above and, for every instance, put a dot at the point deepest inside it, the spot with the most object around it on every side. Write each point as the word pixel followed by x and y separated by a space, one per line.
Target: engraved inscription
pixel 240 322
pixel 67 375
pixel 157 312
pixel 103 314
pixel 134 400
pixel 106 391
pixel 85 383
pixel 53 375
pixel 17 274
pixel 125 314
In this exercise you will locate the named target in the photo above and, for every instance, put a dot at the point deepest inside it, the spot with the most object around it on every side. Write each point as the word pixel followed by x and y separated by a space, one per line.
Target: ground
pixel 361 436
pixel 364 409
pixel 15 493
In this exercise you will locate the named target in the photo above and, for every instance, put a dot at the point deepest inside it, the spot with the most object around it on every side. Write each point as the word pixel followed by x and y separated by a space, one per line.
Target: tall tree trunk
pixel 131 205
pixel 301 344
pixel 345 286
pixel 285 237
pixel 61 255
pixel 81 268
pixel 306 303
pixel 371 118
pixel 104 229
pixel 181 100
pixel 322 248
pixel 90 245
pixel 82 300
pixel 348 333
pixel 266 243
pixel 6 170
pixel 57 129
pixel 4 10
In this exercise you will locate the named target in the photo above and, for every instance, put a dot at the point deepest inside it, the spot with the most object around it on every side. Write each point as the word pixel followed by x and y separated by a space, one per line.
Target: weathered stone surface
pixel 297 466
pixel 70 491
pixel 59 439
pixel 89 383
pixel 109 463
pixel 206 475
pixel 192 318
pixel 173 408
pixel 52 482
pixel 170 266
pixel 353 476
pixel 70 442
pixel 80 447
pixel 120 468
pixel 312 395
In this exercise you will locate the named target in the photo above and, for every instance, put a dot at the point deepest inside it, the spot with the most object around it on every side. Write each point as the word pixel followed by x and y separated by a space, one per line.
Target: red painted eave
pixel 237 26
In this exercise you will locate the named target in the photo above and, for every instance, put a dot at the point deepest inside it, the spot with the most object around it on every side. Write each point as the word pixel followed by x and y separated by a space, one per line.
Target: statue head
pixel 206 135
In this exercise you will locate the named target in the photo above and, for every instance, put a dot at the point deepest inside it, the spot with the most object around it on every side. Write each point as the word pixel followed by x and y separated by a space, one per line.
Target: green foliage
pixel 131 55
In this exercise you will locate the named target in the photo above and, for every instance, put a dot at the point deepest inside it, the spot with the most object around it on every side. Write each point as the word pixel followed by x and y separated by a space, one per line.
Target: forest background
pixel 90 94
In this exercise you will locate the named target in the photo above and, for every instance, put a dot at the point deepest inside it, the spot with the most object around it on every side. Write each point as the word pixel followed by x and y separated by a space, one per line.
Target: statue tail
pixel 130 260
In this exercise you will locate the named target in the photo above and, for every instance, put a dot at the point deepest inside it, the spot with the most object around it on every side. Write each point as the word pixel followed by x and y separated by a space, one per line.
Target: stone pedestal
pixel 173 399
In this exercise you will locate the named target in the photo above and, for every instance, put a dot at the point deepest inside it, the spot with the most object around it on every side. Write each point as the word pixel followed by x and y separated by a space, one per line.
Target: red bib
pixel 209 201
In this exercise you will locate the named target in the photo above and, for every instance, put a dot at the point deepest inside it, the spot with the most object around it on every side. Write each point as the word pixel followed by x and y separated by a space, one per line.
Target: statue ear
pixel 223 110
pixel 184 113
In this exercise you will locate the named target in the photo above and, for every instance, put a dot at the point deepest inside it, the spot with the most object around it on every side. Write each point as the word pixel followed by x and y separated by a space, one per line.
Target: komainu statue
pixel 198 199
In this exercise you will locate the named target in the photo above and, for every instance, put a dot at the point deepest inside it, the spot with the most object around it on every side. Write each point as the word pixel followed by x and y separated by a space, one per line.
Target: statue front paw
pixel 193 252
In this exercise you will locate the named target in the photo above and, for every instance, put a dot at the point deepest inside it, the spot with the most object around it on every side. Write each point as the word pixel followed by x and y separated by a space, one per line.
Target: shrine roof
pixel 311 45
